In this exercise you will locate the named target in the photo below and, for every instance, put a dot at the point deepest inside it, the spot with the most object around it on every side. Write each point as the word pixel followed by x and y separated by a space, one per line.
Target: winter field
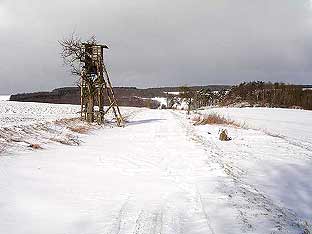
pixel 158 174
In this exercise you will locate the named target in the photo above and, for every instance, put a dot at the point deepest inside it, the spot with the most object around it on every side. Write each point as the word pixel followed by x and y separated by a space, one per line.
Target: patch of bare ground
pixel 213 119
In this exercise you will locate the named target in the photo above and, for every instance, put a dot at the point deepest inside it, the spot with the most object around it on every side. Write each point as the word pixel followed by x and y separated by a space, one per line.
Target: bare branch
pixel 73 52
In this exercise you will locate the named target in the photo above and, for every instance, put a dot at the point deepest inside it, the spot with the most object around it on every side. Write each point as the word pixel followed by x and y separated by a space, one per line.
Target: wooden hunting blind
pixel 96 87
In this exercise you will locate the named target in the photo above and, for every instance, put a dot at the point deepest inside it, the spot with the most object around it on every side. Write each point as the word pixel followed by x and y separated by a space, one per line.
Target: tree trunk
pixel 189 106
pixel 90 109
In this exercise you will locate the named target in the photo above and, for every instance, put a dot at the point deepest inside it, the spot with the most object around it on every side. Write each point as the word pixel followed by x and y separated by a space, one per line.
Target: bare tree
pixel 73 53
pixel 188 95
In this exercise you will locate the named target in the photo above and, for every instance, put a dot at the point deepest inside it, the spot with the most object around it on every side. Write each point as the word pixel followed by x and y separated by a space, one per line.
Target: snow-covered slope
pixel 25 124
pixel 159 174
pixel 290 124
pixel 275 155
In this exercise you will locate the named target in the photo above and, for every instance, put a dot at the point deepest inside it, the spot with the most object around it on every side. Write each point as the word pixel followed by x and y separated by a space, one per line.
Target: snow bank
pixel 293 125
pixel 274 157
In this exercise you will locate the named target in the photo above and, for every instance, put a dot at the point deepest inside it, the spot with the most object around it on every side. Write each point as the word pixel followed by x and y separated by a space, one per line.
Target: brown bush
pixel 213 119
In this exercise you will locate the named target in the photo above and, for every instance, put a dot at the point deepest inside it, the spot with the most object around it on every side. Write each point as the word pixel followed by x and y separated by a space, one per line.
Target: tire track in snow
pixel 148 223
pixel 176 217
pixel 118 225
pixel 204 211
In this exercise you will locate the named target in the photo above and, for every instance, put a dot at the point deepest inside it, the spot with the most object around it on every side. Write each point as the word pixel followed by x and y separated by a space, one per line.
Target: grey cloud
pixel 158 42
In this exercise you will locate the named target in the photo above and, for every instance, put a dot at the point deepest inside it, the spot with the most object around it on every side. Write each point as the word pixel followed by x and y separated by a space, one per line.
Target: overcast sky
pixel 158 42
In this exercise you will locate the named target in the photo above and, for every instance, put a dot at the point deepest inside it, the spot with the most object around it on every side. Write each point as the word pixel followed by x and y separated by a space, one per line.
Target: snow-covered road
pixel 159 174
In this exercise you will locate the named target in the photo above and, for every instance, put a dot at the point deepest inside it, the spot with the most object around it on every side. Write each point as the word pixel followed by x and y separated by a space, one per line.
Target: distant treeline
pixel 269 94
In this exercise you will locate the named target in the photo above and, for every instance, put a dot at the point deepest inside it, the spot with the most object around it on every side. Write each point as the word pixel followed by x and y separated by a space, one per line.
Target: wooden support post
pixel 119 117
pixel 81 98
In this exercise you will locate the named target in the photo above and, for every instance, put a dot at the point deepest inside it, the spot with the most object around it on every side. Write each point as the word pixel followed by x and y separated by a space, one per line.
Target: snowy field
pixel 4 98
pixel 23 124
pixel 25 113
pixel 292 125
pixel 161 174
pixel 272 153
pixel 26 124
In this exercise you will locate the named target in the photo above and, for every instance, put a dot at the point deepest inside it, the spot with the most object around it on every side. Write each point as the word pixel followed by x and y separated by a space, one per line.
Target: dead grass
pixel 68 140
pixel 63 131
pixel 2 149
pixel 75 125
pixel 213 119
pixel 80 129
pixel 66 121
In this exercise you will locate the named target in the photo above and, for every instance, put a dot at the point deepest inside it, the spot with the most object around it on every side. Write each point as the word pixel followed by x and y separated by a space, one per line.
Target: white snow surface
pixel 292 125
pixel 172 93
pixel 25 113
pixel 159 174
pixel 26 124
pixel 4 98
pixel 161 100
pixel 275 154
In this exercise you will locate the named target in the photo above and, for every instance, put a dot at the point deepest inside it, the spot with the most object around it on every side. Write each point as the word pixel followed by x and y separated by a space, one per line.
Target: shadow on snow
pixel 144 121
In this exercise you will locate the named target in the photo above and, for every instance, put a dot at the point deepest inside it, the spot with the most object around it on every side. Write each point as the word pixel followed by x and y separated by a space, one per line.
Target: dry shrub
pixel 213 119
pixel 68 140
pixel 80 129
pixel 75 125
pixel 66 121
pixel 62 141
pixel 196 118
pixel 2 149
